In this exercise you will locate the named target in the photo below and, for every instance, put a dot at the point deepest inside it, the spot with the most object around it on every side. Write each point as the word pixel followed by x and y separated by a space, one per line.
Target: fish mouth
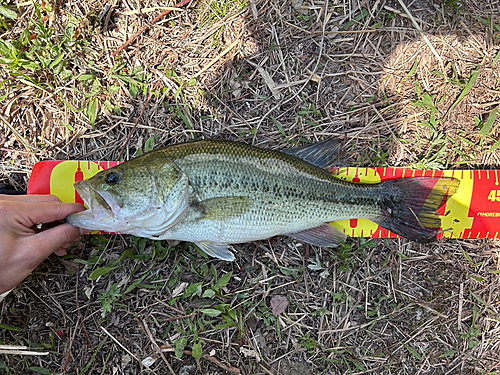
pixel 100 207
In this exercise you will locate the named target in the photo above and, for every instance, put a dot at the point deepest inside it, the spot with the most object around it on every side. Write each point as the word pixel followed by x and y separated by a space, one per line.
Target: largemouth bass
pixel 215 193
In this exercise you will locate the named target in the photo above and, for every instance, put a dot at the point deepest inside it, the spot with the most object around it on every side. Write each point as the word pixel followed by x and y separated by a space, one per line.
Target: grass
pixel 360 74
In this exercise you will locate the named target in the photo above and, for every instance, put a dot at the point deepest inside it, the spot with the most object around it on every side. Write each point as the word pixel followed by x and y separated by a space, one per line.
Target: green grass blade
pixel 92 111
pixel 9 328
pixel 413 352
pixel 92 358
pixel 485 130
pixel 448 353
pixel 8 13
pixel 495 59
pixel 278 126
pixel 412 70
pixel 465 91
pixel 495 146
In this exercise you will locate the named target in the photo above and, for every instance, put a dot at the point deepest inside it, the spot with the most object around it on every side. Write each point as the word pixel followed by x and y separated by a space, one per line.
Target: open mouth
pixel 98 206
pixel 82 188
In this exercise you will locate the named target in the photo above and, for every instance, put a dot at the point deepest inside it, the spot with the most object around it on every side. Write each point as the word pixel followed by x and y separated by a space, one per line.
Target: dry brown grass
pixel 274 74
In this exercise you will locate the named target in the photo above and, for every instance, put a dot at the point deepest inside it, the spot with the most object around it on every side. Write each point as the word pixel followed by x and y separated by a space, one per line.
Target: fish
pixel 215 193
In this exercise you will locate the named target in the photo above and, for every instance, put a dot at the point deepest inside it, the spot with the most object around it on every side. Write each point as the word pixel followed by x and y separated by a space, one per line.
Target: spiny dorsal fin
pixel 325 154
pixel 324 235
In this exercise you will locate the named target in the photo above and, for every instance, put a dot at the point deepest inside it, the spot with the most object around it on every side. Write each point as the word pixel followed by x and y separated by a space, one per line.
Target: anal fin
pixel 216 250
pixel 324 236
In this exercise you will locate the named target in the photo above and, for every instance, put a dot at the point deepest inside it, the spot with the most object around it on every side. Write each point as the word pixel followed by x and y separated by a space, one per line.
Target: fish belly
pixel 266 219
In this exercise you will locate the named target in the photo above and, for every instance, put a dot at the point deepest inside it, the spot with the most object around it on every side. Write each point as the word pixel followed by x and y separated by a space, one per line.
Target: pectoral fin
pixel 216 250
pixel 225 207
pixel 324 235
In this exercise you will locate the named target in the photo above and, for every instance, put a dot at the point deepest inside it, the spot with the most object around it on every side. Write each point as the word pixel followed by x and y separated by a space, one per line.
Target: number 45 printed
pixel 494 196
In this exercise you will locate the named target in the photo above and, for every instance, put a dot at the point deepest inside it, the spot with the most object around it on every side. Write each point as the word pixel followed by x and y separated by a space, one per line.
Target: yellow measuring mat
pixel 472 212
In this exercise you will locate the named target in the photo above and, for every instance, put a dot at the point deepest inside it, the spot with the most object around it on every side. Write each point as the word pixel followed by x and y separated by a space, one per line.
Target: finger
pixel 54 239
pixel 47 212
pixel 60 252
pixel 29 198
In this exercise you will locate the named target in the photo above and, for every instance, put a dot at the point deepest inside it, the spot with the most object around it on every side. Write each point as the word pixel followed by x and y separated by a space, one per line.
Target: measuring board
pixel 472 212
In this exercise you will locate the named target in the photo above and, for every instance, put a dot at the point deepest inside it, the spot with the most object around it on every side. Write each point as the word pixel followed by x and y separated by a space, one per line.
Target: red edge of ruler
pixel 473 212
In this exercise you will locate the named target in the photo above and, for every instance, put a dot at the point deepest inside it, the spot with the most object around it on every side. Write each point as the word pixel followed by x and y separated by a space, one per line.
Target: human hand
pixel 21 247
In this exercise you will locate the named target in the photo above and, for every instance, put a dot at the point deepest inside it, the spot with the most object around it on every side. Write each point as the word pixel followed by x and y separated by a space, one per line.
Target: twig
pixel 147 10
pixel 320 54
pixel 5 149
pixel 19 137
pixel 120 344
pixel 266 369
pixel 228 368
pixel 214 60
pixel 66 358
pixel 108 14
pixel 146 329
pixel 178 318
pixel 427 41
pixel 148 25
pixel 19 350
pixel 460 306
pixel 138 119
pixel 490 371
pixel 80 318
pixel 253 7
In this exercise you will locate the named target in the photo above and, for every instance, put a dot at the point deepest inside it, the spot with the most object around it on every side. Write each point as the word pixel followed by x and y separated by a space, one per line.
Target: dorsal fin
pixel 325 154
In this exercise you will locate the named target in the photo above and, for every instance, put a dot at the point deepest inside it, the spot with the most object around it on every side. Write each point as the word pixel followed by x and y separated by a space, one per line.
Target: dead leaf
pixel 71 267
pixel 279 304
pixel 250 353
pixel 269 82
pixel 179 289
pixel 296 368
pixel 88 291
pixel 126 359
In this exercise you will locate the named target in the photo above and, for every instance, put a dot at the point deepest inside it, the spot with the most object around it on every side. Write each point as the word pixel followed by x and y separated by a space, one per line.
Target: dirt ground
pixel 400 83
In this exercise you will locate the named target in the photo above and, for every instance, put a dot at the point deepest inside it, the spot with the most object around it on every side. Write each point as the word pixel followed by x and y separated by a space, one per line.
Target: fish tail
pixel 409 205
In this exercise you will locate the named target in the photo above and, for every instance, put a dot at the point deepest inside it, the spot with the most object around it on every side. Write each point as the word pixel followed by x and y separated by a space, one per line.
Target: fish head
pixel 145 197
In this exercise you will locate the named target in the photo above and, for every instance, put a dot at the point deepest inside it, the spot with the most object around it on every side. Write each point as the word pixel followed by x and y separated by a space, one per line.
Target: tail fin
pixel 409 205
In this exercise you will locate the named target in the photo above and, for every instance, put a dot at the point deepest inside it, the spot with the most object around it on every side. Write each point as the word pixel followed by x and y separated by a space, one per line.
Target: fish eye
pixel 112 178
